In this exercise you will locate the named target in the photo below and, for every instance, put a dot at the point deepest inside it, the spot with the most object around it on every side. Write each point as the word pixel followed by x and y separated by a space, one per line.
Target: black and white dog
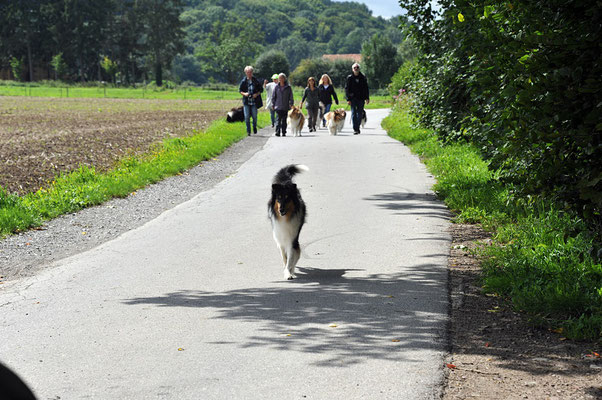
pixel 287 211
pixel 236 115
pixel 364 118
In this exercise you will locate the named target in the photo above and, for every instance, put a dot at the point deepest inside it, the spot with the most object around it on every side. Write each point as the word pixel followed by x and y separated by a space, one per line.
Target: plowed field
pixel 43 137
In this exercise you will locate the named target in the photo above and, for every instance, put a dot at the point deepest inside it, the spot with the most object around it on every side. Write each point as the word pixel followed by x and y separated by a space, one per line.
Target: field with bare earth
pixel 43 137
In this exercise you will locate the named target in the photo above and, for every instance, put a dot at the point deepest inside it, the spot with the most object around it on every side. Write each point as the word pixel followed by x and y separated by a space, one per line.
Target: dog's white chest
pixel 285 231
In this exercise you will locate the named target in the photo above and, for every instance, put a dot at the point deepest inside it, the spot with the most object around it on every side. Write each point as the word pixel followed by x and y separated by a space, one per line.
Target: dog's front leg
pixel 293 256
pixel 284 257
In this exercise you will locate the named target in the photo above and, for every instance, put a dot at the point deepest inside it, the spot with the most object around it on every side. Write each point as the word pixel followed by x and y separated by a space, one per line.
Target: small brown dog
pixel 296 120
pixel 335 120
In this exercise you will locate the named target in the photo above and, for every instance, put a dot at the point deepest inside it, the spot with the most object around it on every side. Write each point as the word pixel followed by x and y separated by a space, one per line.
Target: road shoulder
pixel 496 353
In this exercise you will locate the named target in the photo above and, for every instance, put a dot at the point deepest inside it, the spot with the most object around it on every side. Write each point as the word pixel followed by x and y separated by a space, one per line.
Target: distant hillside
pixel 245 29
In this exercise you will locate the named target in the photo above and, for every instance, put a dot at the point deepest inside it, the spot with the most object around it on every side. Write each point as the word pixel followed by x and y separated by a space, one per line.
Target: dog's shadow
pixel 308 274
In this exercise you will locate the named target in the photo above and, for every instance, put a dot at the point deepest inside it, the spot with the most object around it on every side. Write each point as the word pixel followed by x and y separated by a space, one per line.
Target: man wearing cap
pixel 357 93
pixel 269 88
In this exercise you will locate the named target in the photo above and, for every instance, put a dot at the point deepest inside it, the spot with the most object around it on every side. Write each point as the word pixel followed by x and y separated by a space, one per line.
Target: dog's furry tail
pixel 287 173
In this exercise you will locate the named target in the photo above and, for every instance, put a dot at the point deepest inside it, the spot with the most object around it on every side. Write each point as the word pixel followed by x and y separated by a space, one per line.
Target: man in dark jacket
pixel 357 92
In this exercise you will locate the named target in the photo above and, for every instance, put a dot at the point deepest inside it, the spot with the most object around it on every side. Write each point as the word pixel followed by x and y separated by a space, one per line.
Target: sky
pixel 385 8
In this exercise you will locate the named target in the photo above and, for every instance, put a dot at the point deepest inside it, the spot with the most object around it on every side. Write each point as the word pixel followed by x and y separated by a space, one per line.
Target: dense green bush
pixel 404 78
pixel 521 81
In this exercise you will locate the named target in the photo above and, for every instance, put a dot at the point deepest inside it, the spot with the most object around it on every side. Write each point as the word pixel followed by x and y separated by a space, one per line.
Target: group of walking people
pixel 318 99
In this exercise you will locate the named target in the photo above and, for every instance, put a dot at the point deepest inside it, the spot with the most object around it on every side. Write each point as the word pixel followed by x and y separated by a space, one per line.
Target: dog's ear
pixel 276 186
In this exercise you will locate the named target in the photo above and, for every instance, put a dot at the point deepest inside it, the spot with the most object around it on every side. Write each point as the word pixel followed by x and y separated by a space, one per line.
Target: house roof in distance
pixel 353 57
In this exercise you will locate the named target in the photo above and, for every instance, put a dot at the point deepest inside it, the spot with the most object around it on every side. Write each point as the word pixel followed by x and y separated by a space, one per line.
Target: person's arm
pixel 274 91
pixel 334 94
pixel 305 93
pixel 367 91
pixel 240 89
pixel 347 88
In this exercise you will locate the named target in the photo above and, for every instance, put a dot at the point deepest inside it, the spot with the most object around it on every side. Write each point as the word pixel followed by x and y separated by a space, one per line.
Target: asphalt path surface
pixel 193 304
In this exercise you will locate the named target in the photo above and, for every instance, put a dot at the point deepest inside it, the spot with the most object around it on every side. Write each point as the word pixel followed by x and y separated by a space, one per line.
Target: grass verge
pixel 85 187
pixel 543 259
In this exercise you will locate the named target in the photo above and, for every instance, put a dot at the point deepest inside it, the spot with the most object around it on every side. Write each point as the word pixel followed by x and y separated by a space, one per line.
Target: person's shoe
pixel 254 130
pixel 284 134
pixel 248 133
pixel 356 132
pixel 277 133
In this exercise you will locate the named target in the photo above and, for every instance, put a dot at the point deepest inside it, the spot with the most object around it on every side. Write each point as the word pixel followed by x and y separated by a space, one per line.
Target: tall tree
pixel 163 31
pixel 227 53
pixel 380 60
pixel 271 62
pixel 22 31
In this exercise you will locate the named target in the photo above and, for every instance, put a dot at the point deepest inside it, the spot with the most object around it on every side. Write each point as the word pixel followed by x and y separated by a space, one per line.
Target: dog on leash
pixel 287 211
pixel 295 120
pixel 236 115
pixel 364 118
pixel 335 120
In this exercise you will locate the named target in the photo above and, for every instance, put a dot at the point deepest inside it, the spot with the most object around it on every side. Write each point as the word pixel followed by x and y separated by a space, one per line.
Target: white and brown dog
pixel 295 120
pixel 335 120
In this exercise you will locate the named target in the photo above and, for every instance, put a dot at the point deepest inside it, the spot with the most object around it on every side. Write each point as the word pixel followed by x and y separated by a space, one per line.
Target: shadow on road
pixel 425 204
pixel 377 317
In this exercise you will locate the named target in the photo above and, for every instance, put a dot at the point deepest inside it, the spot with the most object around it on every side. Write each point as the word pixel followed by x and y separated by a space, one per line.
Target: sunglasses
pixel 356 67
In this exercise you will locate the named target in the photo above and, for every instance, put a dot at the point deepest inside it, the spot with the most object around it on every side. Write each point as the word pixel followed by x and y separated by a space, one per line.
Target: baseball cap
pixel 275 76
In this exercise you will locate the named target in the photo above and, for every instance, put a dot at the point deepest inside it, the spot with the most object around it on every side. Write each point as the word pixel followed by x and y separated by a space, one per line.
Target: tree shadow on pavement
pixel 379 316
pixel 412 203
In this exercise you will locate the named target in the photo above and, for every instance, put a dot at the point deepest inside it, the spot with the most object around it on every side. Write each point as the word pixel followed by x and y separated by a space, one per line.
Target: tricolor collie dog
pixel 295 120
pixel 236 115
pixel 335 121
pixel 286 210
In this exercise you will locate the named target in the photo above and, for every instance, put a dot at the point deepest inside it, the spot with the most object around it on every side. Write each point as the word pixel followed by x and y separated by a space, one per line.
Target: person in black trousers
pixel 282 101
pixel 357 92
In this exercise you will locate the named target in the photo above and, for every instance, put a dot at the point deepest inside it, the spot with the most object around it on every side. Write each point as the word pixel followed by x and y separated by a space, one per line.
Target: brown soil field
pixel 43 137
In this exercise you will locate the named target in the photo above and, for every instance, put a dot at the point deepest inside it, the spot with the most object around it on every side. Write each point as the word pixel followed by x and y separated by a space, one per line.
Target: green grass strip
pixel 85 187
pixel 189 93
pixel 543 259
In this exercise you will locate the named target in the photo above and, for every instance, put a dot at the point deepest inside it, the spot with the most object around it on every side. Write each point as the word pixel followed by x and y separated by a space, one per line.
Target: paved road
pixel 192 305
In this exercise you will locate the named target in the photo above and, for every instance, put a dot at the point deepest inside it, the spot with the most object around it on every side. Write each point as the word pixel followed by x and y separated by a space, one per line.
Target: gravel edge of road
pixel 25 254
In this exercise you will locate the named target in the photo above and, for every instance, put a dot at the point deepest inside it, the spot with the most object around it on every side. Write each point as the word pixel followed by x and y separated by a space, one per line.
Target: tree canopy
pixel 198 40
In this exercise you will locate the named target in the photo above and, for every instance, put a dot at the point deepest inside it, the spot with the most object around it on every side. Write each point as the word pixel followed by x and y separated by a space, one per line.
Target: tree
pixel 110 67
pixel 309 67
pixel 296 49
pixel 230 49
pixel 520 80
pixel 380 60
pixel 163 31
pixel 272 62
pixel 16 67
pixel 58 65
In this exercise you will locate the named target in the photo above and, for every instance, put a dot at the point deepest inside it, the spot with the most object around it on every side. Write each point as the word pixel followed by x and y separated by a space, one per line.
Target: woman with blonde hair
pixel 326 93
pixel 312 104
